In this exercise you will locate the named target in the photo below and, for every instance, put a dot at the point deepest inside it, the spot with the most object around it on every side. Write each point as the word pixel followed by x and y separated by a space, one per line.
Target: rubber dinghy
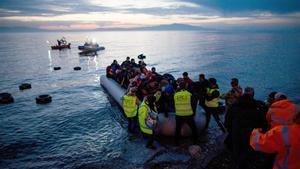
pixel 166 126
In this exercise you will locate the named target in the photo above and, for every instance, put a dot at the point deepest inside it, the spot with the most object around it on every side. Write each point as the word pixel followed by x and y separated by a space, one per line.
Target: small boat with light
pixel 90 47
pixel 61 44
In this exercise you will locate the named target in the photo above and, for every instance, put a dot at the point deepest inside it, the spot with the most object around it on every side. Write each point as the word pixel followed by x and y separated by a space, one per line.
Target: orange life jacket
pixel 283 140
pixel 281 113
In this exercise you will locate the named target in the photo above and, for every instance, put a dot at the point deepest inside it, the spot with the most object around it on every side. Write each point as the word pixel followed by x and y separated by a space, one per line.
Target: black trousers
pixel 132 124
pixel 214 111
pixel 241 150
pixel 189 120
pixel 150 139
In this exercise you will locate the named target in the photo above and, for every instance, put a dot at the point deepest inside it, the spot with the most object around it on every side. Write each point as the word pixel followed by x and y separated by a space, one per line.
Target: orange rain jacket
pixel 283 140
pixel 281 113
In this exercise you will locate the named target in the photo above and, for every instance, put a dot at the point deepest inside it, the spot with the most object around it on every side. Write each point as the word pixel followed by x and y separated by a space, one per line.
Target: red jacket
pixel 281 113
pixel 283 140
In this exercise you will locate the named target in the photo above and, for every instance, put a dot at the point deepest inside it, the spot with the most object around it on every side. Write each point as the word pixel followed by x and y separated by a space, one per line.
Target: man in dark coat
pixel 200 89
pixel 246 114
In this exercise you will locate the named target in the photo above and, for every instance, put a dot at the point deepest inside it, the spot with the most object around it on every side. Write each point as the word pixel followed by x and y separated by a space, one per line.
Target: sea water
pixel 81 128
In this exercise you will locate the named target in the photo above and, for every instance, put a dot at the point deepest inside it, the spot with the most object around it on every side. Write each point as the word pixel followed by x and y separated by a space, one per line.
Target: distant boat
pixel 59 47
pixel 90 47
pixel 61 44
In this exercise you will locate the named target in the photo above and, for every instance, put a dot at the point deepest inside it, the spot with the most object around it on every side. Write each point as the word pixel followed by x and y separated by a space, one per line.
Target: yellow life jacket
pixel 143 111
pixel 183 105
pixel 129 105
pixel 214 102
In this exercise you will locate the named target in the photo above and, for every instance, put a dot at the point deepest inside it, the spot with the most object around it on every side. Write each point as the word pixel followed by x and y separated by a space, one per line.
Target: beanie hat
pixel 280 96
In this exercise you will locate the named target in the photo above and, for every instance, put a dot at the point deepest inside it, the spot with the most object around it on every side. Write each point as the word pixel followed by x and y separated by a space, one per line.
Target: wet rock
pixel 166 166
pixel 195 151
pixel 169 156
pixel 209 142
pixel 136 152
pixel 222 161
pixel 169 159
pixel 220 141
pixel 116 163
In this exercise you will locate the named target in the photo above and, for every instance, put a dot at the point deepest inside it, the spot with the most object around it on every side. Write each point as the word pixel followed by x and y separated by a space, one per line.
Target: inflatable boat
pixel 166 126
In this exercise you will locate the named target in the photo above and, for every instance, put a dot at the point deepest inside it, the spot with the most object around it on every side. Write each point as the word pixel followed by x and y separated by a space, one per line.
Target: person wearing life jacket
pixel 130 107
pixel 282 111
pixel 212 104
pixel 147 116
pixel 184 112
pixel 269 157
pixel 284 140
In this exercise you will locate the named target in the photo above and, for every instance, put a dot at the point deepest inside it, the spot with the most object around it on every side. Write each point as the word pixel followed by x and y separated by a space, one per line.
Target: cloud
pixel 70 27
pixel 50 7
pixel 235 6
pixel 55 7
pixel 76 14
pixel 140 4
pixel 226 7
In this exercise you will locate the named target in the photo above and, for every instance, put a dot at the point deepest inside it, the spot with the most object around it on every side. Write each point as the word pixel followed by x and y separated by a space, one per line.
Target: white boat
pixel 90 47
pixel 166 126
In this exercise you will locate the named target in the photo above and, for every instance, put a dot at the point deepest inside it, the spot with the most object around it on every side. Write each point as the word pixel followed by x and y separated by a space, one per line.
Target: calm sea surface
pixel 80 127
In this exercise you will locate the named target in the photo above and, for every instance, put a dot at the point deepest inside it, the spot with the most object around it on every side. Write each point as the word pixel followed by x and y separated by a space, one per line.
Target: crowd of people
pixel 251 125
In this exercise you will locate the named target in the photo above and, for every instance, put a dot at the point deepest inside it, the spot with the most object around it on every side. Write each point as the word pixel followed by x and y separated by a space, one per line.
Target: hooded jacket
pixel 281 113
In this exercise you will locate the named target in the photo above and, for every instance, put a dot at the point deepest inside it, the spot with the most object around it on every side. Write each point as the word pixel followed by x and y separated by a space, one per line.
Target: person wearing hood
pixel 281 111
pixel 283 141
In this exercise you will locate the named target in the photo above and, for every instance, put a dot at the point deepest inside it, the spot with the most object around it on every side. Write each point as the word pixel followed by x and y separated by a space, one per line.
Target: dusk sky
pixel 93 14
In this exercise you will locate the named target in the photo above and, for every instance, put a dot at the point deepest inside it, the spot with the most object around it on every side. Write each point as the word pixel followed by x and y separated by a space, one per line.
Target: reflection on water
pixel 80 127
pixel 50 59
